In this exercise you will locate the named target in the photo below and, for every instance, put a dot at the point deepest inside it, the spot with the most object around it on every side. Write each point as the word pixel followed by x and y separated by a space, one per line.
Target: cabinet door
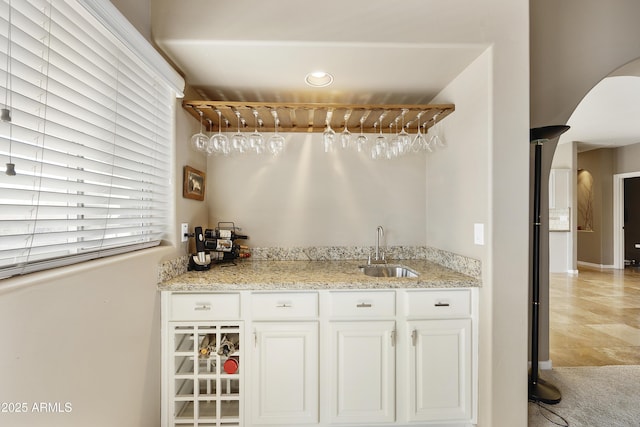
pixel 285 373
pixel 362 371
pixel 440 370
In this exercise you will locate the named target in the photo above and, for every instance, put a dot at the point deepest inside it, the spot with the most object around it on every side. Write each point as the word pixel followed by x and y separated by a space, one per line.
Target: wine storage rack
pixel 202 393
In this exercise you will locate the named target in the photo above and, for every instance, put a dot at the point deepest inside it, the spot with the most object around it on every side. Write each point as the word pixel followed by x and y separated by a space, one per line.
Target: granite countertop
pixel 299 275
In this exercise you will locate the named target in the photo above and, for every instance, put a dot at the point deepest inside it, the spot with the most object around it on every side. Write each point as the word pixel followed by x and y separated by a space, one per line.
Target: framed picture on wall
pixel 193 184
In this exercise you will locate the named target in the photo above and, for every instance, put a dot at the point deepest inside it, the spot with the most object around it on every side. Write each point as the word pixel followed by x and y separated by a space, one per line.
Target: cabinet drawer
pixel 362 304
pixel 454 303
pixel 205 306
pixel 284 305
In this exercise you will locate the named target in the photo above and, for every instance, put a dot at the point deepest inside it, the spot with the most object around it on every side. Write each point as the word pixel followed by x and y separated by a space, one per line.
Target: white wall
pixel 306 197
pixel 87 335
pixel 459 194
pixel 138 12
pixel 458 176
pixel 575 44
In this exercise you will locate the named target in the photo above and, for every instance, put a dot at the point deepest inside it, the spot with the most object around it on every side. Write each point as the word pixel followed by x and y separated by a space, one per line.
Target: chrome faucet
pixel 379 257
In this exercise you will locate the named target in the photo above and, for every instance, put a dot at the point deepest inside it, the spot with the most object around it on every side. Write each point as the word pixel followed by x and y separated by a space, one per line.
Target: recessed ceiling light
pixel 318 79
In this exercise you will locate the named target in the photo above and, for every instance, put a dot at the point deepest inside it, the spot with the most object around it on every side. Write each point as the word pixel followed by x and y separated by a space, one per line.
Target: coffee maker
pixel 201 260
pixel 217 246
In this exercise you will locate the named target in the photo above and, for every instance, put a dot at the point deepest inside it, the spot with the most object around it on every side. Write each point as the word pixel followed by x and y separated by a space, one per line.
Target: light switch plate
pixel 184 232
pixel 478 234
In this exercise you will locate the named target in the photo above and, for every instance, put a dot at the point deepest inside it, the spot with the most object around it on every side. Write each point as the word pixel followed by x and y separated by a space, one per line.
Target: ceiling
pixel 378 52
pixel 608 115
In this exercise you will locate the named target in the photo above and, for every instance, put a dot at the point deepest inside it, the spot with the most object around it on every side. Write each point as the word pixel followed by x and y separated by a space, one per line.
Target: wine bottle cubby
pixel 206 371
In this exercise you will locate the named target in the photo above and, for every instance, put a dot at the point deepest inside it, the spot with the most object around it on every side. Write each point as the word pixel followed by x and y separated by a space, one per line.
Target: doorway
pixel 619 209
pixel 632 222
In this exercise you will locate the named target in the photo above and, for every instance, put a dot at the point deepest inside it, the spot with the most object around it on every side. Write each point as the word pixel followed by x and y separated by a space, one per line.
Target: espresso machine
pixel 217 246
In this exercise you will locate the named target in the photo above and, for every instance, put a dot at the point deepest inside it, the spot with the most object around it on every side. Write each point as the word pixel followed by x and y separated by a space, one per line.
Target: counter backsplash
pixel 469 266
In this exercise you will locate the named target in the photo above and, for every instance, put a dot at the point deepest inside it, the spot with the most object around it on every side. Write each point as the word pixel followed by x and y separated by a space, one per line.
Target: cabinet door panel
pixel 285 373
pixel 440 374
pixel 363 372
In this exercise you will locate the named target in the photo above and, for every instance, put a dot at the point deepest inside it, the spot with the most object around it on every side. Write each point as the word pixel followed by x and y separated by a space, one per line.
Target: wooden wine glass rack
pixel 309 117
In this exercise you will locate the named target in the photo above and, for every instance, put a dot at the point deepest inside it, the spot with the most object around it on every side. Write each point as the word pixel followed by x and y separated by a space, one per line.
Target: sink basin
pixel 384 270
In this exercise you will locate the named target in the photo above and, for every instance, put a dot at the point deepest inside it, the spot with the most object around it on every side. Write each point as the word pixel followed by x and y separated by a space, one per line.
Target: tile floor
pixel 595 318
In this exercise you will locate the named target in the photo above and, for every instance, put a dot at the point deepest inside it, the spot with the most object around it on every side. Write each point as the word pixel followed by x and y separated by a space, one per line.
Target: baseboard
pixel 596 266
pixel 545 365
pixel 572 272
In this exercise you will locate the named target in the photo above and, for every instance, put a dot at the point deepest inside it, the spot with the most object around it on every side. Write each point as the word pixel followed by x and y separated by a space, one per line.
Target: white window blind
pixel 90 136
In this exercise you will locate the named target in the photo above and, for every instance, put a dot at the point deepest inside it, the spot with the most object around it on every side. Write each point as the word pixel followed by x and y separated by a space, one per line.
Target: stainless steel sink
pixel 388 270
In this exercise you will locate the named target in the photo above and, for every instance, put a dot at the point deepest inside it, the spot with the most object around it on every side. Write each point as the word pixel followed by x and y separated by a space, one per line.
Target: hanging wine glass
pixel 427 144
pixel 276 141
pixel 361 140
pixel 393 148
pixel 436 139
pixel 345 135
pixel 404 140
pixel 419 142
pixel 199 141
pixel 380 144
pixel 329 135
pixel 226 145
pixel 256 140
pixel 209 147
pixel 239 141
pixel 218 141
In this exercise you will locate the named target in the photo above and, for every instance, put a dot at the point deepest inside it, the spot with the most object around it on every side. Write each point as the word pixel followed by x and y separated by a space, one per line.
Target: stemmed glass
pixel 209 147
pixel 436 140
pixel 361 140
pixel 345 135
pixel 393 149
pixel 239 141
pixel 199 141
pixel 404 140
pixel 219 142
pixel 256 140
pixel 419 142
pixel 276 141
pixel 380 144
pixel 329 135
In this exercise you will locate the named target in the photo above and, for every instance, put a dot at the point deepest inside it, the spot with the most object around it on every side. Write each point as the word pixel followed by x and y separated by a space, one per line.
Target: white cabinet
pixel 285 354
pixel 441 354
pixel 440 370
pixel 388 357
pixel 362 371
pixel 362 356
pixel 285 373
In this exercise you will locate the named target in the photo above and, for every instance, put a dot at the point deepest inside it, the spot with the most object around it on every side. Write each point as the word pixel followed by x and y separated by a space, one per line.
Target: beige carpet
pixel 599 396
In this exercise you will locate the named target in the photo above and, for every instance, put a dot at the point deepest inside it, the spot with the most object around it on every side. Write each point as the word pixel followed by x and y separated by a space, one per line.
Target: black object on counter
pixel 201 260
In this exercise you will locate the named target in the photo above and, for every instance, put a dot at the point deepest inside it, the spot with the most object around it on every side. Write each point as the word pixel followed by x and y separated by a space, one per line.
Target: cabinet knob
pixel 364 305
pixel 442 304
pixel 202 307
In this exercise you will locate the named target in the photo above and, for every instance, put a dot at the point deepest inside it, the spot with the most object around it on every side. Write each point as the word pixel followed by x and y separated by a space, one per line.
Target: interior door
pixel 632 221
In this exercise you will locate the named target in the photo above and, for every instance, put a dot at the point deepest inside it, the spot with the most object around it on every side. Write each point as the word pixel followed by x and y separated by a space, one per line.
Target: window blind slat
pixel 19 212
pixel 90 135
